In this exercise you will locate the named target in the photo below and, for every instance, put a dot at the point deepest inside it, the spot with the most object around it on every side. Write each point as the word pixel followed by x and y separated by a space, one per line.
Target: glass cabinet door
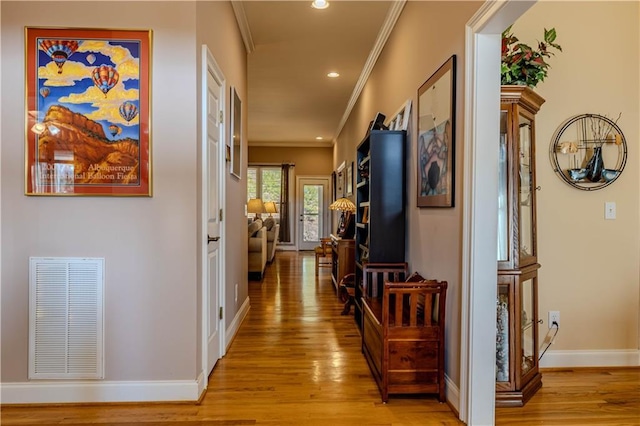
pixel 528 329
pixel 502 336
pixel 503 197
pixel 525 196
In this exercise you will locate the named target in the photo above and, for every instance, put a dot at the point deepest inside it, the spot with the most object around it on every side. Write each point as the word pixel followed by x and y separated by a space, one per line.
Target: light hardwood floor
pixel 296 361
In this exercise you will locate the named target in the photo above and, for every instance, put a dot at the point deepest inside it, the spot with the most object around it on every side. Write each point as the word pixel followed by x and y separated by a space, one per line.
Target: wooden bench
pixel 403 332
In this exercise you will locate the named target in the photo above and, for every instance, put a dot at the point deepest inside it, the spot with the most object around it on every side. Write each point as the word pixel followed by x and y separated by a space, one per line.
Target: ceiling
pixel 292 47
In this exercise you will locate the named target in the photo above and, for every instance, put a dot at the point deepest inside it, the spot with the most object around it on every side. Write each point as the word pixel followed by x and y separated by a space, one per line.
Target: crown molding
pixel 243 25
pixel 389 23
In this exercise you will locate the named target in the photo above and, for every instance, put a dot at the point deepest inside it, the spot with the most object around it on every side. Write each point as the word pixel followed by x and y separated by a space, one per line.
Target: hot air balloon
pixel 128 111
pixel 114 130
pixel 59 50
pixel 91 58
pixel 105 77
pixel 44 92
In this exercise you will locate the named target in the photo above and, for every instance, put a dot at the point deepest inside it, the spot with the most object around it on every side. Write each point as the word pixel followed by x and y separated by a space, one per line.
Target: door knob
pixel 209 239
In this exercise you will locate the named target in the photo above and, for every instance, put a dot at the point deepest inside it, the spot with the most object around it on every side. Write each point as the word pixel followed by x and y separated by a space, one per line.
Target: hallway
pixel 297 361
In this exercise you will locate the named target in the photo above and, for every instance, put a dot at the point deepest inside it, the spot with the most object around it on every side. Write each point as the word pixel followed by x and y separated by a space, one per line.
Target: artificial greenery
pixel 521 64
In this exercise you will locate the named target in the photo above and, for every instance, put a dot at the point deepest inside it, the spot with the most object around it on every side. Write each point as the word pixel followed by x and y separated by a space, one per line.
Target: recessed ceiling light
pixel 333 74
pixel 320 4
pixel 319 138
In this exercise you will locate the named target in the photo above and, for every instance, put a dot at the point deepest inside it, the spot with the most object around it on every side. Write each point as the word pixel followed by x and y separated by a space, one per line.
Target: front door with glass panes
pixel 312 199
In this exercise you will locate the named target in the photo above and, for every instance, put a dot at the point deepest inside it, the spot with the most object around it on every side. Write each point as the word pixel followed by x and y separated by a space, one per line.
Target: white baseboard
pixel 44 392
pixel 233 328
pixel 566 359
pixel 452 393
pixel 202 383
pixel 593 358
pixel 48 392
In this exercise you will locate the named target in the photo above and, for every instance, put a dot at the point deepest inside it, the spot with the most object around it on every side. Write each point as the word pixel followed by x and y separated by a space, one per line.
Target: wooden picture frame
pixel 436 138
pixel 400 120
pixel 236 134
pixel 349 184
pixel 87 112
pixel 340 180
pixel 334 186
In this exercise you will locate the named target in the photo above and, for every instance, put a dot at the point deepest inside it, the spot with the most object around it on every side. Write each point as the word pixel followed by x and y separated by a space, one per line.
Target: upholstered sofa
pixel 257 249
pixel 273 231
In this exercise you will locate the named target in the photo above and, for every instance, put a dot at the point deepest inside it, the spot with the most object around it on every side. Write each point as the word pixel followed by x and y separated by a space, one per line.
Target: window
pixel 265 182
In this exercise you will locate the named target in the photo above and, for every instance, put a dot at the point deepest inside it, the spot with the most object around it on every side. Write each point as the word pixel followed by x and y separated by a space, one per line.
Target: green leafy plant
pixel 523 65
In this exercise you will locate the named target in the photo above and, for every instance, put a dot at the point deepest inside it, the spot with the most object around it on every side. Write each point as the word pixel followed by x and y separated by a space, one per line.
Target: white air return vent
pixel 66 318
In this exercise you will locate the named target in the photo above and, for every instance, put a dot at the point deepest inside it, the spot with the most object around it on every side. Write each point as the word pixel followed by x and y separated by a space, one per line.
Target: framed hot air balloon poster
pixel 88 112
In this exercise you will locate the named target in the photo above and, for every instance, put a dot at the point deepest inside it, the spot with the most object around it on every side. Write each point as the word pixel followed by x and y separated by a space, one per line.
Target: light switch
pixel 610 210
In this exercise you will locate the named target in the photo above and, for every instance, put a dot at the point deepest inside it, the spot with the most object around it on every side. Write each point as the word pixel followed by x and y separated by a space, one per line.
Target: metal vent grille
pixel 65 318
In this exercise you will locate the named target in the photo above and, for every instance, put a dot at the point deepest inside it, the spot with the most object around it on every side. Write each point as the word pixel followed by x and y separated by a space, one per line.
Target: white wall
pixel 217 28
pixel 149 243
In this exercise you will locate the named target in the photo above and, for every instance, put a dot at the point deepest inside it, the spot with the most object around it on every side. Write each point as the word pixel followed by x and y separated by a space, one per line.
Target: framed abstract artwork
pixel 88 112
pixel 436 138
pixel 236 133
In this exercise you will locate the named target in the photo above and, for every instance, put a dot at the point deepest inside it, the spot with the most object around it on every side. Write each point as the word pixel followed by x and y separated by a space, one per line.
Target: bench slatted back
pixel 414 304
pixel 375 274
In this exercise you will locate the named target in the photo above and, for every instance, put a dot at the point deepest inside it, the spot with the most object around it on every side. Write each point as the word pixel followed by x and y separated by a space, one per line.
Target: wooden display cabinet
pixel 342 259
pixel 517 372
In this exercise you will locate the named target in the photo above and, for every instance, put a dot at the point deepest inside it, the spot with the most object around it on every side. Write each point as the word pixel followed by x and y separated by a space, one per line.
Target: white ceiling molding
pixel 292 144
pixel 243 25
pixel 383 35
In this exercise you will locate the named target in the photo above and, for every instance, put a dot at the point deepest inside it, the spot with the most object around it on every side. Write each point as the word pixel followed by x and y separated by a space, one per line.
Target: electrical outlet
pixel 554 316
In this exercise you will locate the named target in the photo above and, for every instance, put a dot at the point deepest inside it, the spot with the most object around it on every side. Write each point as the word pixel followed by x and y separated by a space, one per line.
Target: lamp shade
pixel 255 205
pixel 343 204
pixel 271 207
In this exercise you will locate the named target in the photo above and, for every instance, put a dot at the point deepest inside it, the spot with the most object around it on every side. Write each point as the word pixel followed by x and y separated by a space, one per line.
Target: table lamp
pixel 270 207
pixel 347 207
pixel 256 206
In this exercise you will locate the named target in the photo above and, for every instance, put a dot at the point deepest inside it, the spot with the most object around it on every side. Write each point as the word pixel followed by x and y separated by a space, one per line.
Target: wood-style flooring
pixel 297 361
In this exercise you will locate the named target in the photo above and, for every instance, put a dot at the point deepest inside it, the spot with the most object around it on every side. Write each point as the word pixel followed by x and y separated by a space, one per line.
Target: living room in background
pixel 266 183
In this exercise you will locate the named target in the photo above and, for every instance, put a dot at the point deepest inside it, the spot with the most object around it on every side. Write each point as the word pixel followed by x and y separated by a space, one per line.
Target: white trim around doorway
pixel 480 208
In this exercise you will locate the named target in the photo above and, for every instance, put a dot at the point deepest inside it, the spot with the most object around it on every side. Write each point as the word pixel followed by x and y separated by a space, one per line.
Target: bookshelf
pixel 380 203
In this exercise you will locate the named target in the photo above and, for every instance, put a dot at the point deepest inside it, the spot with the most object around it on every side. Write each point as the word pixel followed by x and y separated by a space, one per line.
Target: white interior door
pixel 213 110
pixel 313 213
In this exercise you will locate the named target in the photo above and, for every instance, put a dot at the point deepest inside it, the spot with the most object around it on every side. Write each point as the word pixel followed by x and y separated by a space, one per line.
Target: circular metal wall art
pixel 588 151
